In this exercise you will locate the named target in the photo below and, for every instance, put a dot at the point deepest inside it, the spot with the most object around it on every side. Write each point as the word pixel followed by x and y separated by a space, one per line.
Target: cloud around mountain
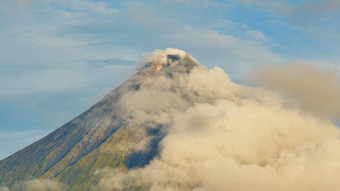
pixel 244 138
pixel 219 135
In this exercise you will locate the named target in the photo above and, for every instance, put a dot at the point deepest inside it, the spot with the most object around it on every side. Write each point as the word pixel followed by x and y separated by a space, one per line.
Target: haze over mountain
pixel 176 125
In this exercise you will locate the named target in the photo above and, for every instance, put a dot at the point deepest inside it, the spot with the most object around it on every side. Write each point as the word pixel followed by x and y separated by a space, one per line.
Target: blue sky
pixel 58 57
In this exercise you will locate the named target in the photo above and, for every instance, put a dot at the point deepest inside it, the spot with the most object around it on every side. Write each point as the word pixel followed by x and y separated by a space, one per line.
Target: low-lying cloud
pixel 40 184
pixel 219 135
pixel 239 138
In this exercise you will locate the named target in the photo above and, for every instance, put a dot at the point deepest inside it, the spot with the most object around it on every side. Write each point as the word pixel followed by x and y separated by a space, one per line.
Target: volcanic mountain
pixel 110 133
pixel 177 126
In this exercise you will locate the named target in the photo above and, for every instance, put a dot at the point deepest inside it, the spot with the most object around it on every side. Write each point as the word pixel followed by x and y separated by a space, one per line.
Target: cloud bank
pixel 219 135
pixel 233 137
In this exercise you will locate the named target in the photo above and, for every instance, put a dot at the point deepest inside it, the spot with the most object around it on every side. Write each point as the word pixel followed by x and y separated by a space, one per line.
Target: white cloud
pixel 206 44
pixel 58 79
pixel 58 43
pixel 40 184
pixel 230 137
pixel 52 80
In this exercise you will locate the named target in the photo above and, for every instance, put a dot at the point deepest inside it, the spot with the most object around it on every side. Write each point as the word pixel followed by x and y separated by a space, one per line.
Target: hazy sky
pixel 58 57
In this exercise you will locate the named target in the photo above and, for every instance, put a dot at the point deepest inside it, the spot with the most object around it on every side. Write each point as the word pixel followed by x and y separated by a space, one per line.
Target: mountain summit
pixel 169 62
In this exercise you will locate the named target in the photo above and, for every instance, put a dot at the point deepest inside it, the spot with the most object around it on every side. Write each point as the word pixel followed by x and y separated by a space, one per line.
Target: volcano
pixel 110 132
pixel 178 126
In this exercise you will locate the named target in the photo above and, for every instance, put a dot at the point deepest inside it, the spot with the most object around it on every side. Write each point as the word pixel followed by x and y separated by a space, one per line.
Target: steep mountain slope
pixel 91 141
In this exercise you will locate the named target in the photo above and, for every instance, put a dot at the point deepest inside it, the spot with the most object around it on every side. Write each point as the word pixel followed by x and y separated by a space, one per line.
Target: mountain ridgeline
pixel 111 134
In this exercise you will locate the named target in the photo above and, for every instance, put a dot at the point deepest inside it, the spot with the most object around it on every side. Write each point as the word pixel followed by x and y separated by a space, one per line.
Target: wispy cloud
pixel 89 7
pixel 256 34
pixel 271 6
pixel 56 79
pixel 81 31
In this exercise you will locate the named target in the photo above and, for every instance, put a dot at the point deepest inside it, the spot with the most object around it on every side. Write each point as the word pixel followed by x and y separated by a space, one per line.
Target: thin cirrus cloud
pixel 94 36
pixel 53 80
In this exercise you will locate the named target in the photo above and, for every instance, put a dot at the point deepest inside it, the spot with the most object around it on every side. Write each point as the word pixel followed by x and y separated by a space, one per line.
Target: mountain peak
pixel 168 62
